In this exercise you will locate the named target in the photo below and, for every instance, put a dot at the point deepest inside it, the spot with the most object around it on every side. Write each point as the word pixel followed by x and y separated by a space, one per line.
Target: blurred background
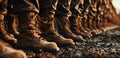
pixel 116 4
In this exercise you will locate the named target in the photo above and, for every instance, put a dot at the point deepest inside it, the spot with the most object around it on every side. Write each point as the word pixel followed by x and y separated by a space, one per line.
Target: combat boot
pixel 36 44
pixel 83 26
pixel 76 27
pixel 50 33
pixel 6 51
pixel 98 24
pixel 29 33
pixel 47 12
pixel 99 21
pixel 64 28
pixel 95 27
pixel 90 25
pixel 3 32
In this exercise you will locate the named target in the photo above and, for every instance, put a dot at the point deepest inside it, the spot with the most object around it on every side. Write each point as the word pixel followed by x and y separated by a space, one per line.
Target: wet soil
pixel 105 45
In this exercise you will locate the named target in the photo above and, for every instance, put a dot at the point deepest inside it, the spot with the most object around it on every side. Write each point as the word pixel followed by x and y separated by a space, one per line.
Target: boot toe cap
pixel 51 46
pixel 79 38
pixel 69 42
pixel 66 42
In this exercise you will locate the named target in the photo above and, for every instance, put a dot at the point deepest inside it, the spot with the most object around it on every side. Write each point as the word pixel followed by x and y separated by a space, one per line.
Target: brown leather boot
pixel 99 21
pixel 74 27
pixel 91 28
pixel 49 32
pixel 6 51
pixel 83 26
pixel 91 17
pixel 83 17
pixel 36 44
pixel 90 25
pixel 3 32
pixel 95 27
pixel 83 30
pixel 98 24
pixel 64 28
pixel 29 33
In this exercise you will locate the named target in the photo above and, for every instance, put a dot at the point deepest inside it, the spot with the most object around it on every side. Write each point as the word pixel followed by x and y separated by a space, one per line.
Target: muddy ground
pixel 105 45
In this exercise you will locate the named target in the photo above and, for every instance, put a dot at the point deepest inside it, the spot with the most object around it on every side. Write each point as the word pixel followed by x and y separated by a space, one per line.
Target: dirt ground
pixel 105 45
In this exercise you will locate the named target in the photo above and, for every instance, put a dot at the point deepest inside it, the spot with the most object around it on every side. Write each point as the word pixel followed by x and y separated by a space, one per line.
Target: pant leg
pixel 74 8
pixel 19 6
pixel 47 7
pixel 63 8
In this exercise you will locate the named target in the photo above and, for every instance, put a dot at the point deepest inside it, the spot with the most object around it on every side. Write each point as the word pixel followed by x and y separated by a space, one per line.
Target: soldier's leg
pixel 97 17
pixel 47 12
pixel 74 8
pixel 62 17
pixel 92 17
pixel 26 13
pixel 83 21
pixel 100 15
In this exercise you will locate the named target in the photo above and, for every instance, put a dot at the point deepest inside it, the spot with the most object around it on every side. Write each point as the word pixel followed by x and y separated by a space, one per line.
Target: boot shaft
pixel 74 22
pixel 46 23
pixel 27 24
pixel 63 21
